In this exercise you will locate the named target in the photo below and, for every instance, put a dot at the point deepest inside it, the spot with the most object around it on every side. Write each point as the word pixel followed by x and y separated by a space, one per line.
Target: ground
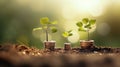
pixel 13 55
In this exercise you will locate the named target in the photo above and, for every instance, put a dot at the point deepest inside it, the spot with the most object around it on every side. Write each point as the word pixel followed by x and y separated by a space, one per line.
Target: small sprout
pixel 85 25
pixel 66 34
pixel 46 26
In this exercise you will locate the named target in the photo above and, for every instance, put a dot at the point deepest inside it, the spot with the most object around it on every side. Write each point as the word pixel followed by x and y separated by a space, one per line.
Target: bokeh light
pixel 75 37
pixel 19 17
pixel 103 29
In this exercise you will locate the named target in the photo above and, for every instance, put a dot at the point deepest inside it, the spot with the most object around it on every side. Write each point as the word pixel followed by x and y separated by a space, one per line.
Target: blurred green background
pixel 19 17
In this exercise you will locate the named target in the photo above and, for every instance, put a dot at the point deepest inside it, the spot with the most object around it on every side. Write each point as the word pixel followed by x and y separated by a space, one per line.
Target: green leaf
pixel 79 24
pixel 87 26
pixel 81 29
pixel 85 20
pixel 90 27
pixel 70 34
pixel 37 29
pixel 69 31
pixel 54 30
pixel 44 20
pixel 92 21
pixel 65 34
pixel 54 22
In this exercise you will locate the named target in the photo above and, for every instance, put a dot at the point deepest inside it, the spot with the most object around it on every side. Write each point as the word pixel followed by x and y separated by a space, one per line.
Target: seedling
pixel 47 26
pixel 66 34
pixel 86 25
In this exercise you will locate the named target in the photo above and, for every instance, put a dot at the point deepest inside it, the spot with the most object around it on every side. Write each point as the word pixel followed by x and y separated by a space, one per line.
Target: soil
pixel 13 55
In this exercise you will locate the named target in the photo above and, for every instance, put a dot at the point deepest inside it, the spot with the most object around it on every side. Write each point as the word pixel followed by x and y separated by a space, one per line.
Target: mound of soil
pixel 23 56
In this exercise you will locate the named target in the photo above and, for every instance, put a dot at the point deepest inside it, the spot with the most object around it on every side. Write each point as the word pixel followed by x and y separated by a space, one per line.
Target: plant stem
pixel 67 40
pixel 88 35
pixel 46 31
pixel 46 35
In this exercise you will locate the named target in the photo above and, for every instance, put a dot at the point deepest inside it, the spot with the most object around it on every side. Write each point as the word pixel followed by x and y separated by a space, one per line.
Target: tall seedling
pixel 47 26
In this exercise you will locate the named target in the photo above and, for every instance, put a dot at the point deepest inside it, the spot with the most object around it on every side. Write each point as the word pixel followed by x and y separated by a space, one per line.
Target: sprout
pixel 47 26
pixel 67 34
pixel 85 25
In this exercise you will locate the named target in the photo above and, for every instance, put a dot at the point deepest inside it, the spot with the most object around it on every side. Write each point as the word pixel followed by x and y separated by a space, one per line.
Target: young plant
pixel 86 25
pixel 67 34
pixel 47 26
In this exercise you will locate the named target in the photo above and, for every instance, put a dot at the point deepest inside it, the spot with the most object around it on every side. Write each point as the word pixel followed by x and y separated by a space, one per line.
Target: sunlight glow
pixel 71 11
pixel 70 25
pixel 74 38
pixel 75 8
pixel 94 7
pixel 85 5
pixel 78 9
